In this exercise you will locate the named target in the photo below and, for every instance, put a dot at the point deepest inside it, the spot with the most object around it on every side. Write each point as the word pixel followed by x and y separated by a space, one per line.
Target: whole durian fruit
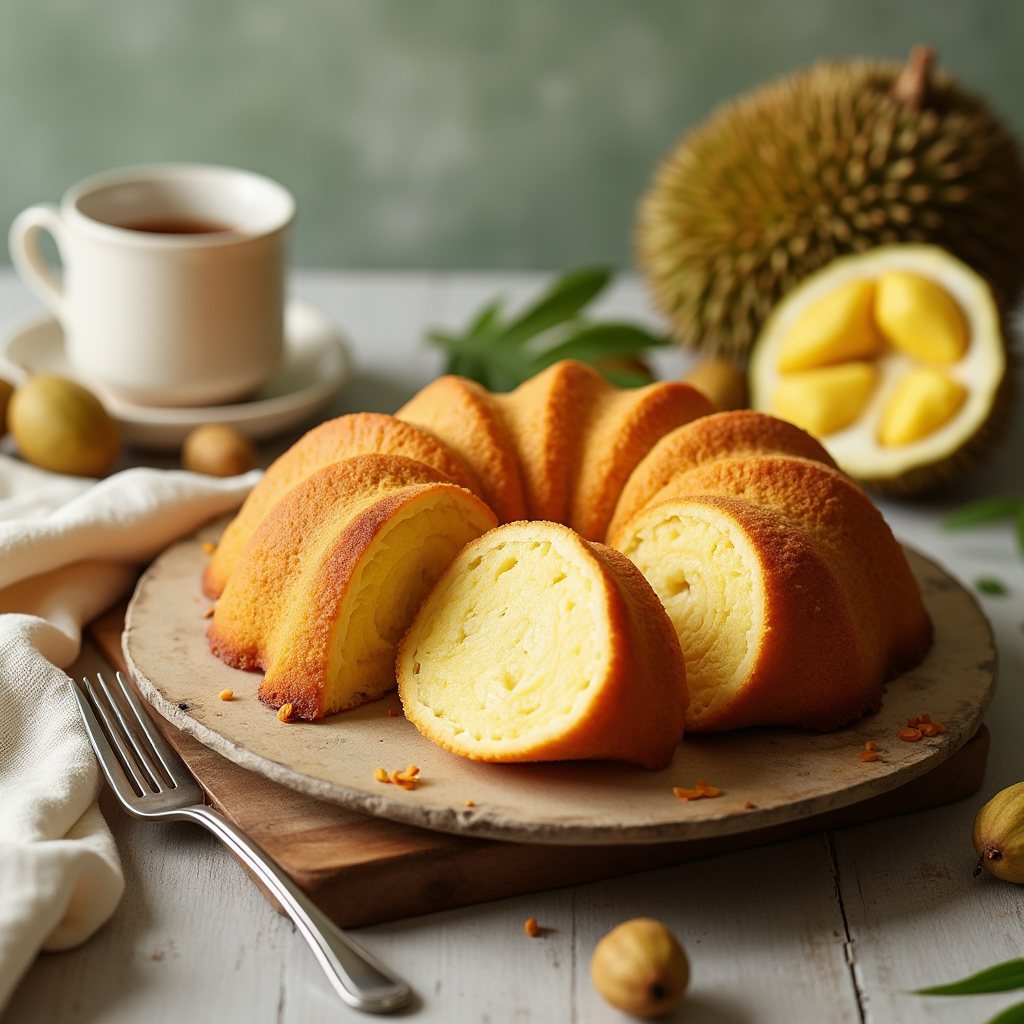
pixel 834 159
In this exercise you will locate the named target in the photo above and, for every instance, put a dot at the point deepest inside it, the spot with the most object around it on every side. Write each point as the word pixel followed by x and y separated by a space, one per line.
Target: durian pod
pixel 835 159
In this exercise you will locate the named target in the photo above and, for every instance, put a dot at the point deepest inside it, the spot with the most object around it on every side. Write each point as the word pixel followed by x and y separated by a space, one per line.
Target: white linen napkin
pixel 68 548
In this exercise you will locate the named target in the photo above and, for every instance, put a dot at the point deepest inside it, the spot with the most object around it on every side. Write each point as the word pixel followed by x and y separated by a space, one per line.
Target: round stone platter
pixel 767 776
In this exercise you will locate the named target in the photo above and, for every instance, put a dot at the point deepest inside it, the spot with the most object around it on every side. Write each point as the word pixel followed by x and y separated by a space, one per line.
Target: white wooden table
pixel 835 927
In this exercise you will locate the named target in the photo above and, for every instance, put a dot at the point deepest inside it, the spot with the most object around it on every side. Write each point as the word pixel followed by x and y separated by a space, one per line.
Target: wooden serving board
pixel 768 776
pixel 363 870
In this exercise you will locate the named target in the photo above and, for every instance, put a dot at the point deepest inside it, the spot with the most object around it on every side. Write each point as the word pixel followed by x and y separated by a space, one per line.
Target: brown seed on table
pixel 392 713
pixel 748 806
pixel 226 694
pixel 381 775
pixel 469 803
pixel 868 755
pixel 209 611
pixel 870 745
pixel 530 927
pixel 909 734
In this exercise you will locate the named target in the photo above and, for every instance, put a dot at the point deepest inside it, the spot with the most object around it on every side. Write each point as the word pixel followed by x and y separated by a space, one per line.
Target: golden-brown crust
pixel 717 436
pixel 356 434
pixel 462 415
pixel 337 511
pixel 812 667
pixel 545 418
pixel 849 533
pixel 640 716
pixel 816 533
pixel 621 427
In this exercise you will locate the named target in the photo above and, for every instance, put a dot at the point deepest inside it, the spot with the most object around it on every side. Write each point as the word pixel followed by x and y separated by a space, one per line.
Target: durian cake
pixel 362 433
pixel 330 580
pixel 721 435
pixel 792 600
pixel 535 645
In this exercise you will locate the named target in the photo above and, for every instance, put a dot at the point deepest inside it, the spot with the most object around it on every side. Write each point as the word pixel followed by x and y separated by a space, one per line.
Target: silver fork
pixel 153 783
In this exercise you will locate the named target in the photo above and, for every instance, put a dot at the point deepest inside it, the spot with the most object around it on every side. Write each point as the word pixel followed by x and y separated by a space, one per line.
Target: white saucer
pixel 315 365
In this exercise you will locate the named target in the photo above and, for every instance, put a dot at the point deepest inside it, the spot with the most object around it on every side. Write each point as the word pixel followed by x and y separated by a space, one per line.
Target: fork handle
pixel 357 977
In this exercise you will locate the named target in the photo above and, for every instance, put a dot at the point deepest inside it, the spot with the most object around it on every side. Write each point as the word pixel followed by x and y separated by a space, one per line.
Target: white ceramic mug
pixel 173 284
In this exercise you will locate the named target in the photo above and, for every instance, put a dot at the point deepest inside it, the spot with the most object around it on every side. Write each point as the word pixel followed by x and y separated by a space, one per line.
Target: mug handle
pixel 28 260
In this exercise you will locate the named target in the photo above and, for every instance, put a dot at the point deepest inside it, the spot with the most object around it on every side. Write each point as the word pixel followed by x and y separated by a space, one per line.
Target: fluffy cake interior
pixel 704 569
pixel 387 585
pixel 504 651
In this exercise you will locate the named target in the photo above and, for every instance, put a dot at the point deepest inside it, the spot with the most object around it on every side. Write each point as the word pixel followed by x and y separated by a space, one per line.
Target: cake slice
pixel 792 601
pixel 535 645
pixel 360 433
pixel 724 435
pixel 463 416
pixel 332 577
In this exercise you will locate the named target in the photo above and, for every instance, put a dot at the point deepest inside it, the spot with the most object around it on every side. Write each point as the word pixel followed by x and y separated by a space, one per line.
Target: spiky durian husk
pixel 819 164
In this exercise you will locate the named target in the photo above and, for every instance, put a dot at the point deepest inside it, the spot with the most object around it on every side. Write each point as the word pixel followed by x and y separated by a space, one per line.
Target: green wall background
pixel 436 133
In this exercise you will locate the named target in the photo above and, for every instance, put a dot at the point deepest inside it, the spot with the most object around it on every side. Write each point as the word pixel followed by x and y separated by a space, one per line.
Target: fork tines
pixel 116 721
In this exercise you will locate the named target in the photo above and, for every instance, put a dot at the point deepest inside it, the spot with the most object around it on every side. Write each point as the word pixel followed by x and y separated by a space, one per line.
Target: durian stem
pixel 912 85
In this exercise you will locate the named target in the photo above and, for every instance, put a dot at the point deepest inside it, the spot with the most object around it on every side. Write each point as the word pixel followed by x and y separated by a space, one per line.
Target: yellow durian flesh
pixel 837 328
pixel 950 447
pixel 923 401
pixel 919 317
pixel 825 400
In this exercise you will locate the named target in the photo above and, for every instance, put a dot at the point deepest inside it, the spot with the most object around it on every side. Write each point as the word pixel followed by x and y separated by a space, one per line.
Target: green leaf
pixel 486 319
pixel 1001 978
pixel 988 510
pixel 625 378
pixel 990 585
pixel 600 341
pixel 1011 1015
pixel 566 297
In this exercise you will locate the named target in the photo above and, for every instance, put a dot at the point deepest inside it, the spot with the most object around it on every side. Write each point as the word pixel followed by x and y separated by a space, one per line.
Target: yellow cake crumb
pixel 285 713
pixel 226 694
pixel 208 548
pixel 531 927
pixel 209 611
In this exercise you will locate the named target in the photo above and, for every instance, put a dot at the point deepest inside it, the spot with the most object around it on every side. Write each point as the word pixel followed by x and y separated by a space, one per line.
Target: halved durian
pixel 940 379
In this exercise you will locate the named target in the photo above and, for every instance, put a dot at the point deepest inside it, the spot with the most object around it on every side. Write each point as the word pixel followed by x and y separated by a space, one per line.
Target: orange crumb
pixel 381 775
pixel 530 927
pixel 687 794
pixel 748 806
pixel 709 791
pixel 868 755
pixel 226 694
pixel 209 611
pixel 208 548
pixel 469 803
pixel 932 728
pixel 285 713
pixel 910 734
pixel 406 779
pixel 392 713
pixel 870 745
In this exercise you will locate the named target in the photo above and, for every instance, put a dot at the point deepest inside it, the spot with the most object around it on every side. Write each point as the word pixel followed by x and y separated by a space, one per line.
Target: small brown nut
pixel 6 390
pixel 217 450
pixel 719 380
pixel 640 967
